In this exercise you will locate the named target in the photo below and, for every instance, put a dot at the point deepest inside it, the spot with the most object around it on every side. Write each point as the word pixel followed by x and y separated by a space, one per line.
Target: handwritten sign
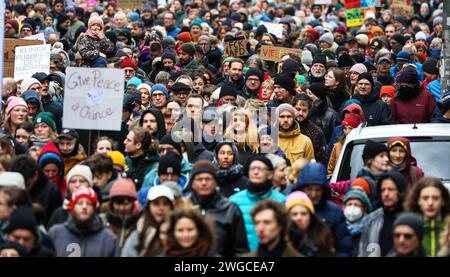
pixel 129 4
pixel 38 36
pixel 236 47
pixel 352 4
pixel 31 59
pixel 276 29
pixel 274 53
pixel 402 9
pixel 93 98
pixel 354 17
pixel 322 2
pixel 9 53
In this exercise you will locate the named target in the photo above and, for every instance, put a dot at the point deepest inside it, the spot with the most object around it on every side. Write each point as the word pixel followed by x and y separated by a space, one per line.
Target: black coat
pixel 59 216
pixel 45 193
pixel 231 182
pixel 229 227
pixel 375 110
pixel 325 118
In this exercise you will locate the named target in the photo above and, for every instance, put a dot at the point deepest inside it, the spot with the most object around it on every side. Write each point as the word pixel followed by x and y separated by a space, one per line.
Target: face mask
pixel 352 213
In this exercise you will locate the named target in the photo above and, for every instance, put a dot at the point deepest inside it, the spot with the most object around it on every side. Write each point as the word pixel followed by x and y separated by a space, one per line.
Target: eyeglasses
pixel 364 84
pixel 258 168
pixel 253 80
pixel 406 236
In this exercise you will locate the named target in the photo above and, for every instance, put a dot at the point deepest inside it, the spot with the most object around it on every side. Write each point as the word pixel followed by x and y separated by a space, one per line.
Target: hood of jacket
pixel 50 151
pixel 159 119
pixel 404 142
pixel 354 108
pixel 292 133
pixel 314 174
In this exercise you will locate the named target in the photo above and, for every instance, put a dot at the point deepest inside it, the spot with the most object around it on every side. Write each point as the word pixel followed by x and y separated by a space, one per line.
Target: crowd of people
pixel 220 155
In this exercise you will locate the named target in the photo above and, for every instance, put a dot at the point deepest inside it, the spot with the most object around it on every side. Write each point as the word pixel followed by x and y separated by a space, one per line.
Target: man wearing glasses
pixel 408 232
pixel 253 81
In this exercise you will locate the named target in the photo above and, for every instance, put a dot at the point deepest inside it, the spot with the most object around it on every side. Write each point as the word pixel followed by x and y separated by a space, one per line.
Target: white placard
pixel 322 2
pixel 93 98
pixel 38 36
pixel 31 59
pixel 273 28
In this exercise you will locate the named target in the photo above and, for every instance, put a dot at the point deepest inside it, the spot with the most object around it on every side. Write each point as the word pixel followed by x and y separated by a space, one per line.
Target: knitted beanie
pixel 188 48
pixel 83 192
pixel 352 120
pixel 13 102
pixel 95 20
pixel 413 220
pixel 362 184
pixel 123 187
pixel 160 87
pixel 299 198
pixel 359 68
pixel 389 90
pixel 286 108
pixel 372 148
pixel 81 170
pixel 286 81
pixel 47 118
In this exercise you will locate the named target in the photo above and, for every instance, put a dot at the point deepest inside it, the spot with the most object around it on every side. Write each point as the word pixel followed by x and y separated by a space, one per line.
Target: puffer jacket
pixel 229 227
pixel 370 237
pixel 431 237
pixel 295 145
pixel 376 111
pixel 97 242
pixel 90 48
pixel 246 200
pixel 71 161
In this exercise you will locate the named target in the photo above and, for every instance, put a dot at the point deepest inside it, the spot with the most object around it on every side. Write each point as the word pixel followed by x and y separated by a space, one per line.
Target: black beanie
pixel 112 36
pixel 430 66
pixel 372 148
pixel 290 66
pixel 319 90
pixel 286 81
pixel 254 72
pixel 167 139
pixel 367 76
pixel 345 60
pixel 203 166
pixel 399 38
pixel 23 218
pixel 170 164
pixel 413 220
pixel 319 58
pixel 227 90
pixel 261 158
pixel 188 48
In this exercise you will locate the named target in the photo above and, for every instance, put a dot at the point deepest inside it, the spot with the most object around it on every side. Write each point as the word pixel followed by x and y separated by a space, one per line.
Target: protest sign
pixel 236 47
pixel 354 17
pixel 272 28
pixel 31 59
pixel 368 3
pixel 274 53
pixel 93 98
pixel 129 4
pixel 9 53
pixel 352 4
pixel 39 36
pixel 322 2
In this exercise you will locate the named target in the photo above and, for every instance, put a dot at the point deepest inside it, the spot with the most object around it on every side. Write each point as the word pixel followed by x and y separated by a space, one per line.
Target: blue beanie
pixel 160 87
pixel 351 101
pixel 403 56
pixel 203 37
pixel 134 81
pixel 134 16
pixel 313 174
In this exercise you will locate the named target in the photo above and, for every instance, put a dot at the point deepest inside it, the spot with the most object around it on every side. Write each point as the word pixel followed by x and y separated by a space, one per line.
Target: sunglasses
pixel 407 236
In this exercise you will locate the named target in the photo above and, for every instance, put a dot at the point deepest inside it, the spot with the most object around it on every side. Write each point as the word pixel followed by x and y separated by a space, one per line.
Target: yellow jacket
pixel 337 147
pixel 70 162
pixel 295 145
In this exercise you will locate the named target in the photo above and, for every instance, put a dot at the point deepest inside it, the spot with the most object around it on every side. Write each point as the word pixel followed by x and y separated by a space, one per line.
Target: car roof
pixel 400 130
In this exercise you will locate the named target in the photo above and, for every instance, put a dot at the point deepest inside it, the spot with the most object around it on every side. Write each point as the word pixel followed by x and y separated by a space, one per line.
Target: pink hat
pixel 95 20
pixel 299 198
pixel 359 67
pixel 13 102
pixel 123 187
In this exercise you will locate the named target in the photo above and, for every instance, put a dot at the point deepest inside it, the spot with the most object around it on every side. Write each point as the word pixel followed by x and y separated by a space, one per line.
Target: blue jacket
pixel 246 200
pixel 435 88
pixel 173 32
pixel 394 70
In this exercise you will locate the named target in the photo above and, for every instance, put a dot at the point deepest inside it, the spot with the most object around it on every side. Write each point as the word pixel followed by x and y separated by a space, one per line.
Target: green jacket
pixel 431 236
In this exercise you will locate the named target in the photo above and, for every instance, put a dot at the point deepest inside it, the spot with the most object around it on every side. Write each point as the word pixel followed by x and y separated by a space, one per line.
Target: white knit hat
pixel 81 170
pixel 12 179
pixel 26 83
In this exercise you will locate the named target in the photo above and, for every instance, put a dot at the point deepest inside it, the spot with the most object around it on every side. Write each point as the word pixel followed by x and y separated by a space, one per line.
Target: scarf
pixel 229 173
pixel 259 189
pixel 93 34
pixel 277 251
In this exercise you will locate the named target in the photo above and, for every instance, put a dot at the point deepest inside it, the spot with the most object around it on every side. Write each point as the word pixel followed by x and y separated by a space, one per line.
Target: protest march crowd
pixel 234 115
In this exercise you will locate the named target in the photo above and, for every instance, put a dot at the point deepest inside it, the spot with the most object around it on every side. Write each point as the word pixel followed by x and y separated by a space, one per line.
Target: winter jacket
pixel 50 151
pixel 229 227
pixel 289 251
pixel 431 237
pixel 139 166
pixel 71 161
pixel 246 200
pixel 419 109
pixel 121 227
pixel 376 111
pixel 239 85
pixel 97 242
pixel 337 98
pixel 45 193
pixel 59 216
pixel 201 153
pixel 317 137
pixel 173 32
pixel 151 233
pixel 369 241
pixel 337 147
pixel 295 145
pixel 215 57
pixel 441 119
pixel 434 88
pixel 231 180
pixel 105 191
pixel 325 118
pixel 90 48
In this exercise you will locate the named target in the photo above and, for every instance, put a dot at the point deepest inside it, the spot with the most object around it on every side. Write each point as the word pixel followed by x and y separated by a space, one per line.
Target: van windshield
pixel 431 155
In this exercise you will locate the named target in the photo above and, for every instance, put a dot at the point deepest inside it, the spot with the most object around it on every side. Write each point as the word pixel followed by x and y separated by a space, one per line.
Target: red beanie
pixel 83 192
pixel 127 63
pixel 314 33
pixel 362 184
pixel 351 119
pixel 184 37
pixel 389 90
pixel 14 24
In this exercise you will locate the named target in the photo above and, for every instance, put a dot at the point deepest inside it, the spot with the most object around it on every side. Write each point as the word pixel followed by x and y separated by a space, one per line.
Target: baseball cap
pixel 69 134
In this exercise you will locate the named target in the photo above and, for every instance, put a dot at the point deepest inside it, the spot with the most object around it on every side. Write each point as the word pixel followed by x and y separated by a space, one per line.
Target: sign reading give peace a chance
pixel 93 98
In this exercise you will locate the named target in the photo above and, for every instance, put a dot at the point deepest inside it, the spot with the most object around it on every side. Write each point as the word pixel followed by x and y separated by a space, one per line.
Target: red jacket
pixel 416 110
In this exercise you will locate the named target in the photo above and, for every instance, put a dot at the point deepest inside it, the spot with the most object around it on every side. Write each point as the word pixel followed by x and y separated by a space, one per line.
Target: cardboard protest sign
pixel 354 17
pixel 276 29
pixel 274 53
pixel 31 59
pixel 322 2
pixel 9 53
pixel 236 47
pixel 129 4
pixel 93 98
pixel 402 9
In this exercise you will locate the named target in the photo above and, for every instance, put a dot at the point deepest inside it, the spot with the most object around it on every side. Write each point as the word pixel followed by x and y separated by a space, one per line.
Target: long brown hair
pixel 204 241
pixel 412 200
pixel 342 87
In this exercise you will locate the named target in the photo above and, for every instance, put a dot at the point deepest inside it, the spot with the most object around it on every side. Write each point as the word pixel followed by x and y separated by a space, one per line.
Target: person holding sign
pixel 94 44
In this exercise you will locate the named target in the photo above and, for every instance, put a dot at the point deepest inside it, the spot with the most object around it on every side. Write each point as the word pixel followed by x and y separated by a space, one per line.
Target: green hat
pixel 300 79
pixel 197 22
pixel 47 118
pixel 245 69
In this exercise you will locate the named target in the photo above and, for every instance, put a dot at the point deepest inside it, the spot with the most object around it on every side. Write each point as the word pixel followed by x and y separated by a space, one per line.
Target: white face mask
pixel 353 213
